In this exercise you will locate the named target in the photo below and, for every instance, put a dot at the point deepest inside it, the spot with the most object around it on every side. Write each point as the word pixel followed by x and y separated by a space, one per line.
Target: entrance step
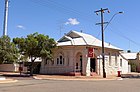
pixel 74 74
pixel 93 74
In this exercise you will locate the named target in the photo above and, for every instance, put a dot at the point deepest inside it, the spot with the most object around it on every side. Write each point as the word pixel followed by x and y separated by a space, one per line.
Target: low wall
pixel 56 69
pixel 9 67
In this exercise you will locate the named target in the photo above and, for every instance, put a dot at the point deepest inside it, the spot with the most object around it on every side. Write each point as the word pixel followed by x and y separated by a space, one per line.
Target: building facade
pixel 133 59
pixel 81 53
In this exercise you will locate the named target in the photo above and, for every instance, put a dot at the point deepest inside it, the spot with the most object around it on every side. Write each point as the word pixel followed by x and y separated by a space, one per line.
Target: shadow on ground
pixel 132 75
pixel 17 76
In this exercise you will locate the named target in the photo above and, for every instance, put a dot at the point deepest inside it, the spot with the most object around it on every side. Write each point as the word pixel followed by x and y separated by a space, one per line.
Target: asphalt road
pixel 32 85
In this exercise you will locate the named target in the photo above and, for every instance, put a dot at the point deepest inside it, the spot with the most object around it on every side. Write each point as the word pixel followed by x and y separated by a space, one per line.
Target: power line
pixel 61 8
pixel 53 5
pixel 68 8
pixel 96 37
pixel 125 37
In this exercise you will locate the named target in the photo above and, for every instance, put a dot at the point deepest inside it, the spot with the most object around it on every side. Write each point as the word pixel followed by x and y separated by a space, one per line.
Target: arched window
pixel 49 62
pixel 60 59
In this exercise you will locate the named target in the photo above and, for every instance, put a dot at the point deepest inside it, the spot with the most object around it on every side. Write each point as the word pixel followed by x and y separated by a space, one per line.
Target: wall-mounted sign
pixel 90 52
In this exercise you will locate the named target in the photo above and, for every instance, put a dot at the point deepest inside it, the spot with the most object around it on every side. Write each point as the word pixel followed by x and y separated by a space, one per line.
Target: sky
pixel 57 17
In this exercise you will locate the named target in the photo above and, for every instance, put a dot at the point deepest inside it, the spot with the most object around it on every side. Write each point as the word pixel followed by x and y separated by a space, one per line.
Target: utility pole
pixel 102 29
pixel 5 17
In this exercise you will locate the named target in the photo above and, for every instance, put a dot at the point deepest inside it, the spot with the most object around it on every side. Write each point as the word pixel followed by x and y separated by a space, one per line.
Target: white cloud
pixel 72 21
pixel 20 27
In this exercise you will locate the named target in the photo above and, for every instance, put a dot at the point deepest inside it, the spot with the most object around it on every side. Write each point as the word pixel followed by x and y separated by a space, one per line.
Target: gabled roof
pixel 78 38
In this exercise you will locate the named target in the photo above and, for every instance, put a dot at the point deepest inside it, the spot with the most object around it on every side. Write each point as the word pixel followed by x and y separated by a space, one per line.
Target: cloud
pixel 72 21
pixel 20 27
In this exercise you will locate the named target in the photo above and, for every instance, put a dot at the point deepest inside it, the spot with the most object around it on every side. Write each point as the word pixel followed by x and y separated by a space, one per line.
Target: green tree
pixel 35 45
pixel 8 50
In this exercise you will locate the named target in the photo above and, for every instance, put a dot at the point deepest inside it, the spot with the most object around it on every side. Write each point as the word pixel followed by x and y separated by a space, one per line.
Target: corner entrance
pixel 92 65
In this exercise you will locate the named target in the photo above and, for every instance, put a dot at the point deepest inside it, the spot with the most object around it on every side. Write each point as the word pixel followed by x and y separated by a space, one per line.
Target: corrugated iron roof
pixel 78 38
pixel 129 56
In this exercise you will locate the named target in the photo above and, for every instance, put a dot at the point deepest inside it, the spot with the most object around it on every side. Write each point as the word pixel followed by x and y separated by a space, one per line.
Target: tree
pixel 35 45
pixel 8 50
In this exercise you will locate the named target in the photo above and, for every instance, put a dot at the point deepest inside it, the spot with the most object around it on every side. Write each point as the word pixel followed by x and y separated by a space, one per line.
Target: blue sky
pixel 56 17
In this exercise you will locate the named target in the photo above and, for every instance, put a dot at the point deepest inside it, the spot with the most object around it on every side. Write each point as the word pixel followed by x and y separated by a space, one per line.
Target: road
pixel 32 85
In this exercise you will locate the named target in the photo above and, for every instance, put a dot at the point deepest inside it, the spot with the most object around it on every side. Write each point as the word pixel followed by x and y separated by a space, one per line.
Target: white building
pixel 72 56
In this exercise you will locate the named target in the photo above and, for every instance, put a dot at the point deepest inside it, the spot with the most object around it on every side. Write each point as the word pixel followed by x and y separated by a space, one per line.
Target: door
pixel 93 65
pixel 78 62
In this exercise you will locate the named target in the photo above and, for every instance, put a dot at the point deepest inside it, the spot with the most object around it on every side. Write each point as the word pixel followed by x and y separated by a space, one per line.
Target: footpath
pixel 10 77
pixel 7 81
pixel 14 77
pixel 85 78
pixel 3 79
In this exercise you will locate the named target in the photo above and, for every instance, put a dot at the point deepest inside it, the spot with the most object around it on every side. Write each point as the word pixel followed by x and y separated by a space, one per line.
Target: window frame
pixel 110 62
pixel 60 60
pixel 116 59
pixel 121 62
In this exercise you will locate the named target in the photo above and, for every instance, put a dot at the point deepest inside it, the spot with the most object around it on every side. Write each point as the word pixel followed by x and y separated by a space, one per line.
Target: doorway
pixel 78 62
pixel 92 65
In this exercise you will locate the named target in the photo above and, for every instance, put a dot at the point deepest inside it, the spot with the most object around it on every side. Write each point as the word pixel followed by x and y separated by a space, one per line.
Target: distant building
pixel 129 55
pixel 134 60
pixel 81 53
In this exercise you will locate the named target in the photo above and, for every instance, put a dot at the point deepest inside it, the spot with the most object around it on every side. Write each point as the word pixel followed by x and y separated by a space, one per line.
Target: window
pixel 81 63
pixel 121 62
pixel 68 61
pixel 46 61
pixel 116 61
pixel 76 65
pixel 57 61
pixel 63 61
pixel 81 58
pixel 52 62
pixel 60 60
pixel 109 59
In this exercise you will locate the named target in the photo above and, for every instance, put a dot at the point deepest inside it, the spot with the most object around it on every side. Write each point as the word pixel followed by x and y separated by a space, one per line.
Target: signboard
pixel 90 52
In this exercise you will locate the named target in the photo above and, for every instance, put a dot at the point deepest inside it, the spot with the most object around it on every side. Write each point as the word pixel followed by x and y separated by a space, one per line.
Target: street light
pixel 111 19
pixel 102 29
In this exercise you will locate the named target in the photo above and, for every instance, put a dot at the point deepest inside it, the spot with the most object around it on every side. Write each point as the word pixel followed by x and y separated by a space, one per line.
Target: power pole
pixel 5 17
pixel 102 29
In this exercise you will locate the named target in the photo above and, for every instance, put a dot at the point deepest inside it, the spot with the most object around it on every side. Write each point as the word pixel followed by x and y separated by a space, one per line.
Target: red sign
pixel 90 52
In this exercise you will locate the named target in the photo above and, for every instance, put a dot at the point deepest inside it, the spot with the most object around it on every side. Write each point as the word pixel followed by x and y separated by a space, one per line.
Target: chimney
pixel 128 51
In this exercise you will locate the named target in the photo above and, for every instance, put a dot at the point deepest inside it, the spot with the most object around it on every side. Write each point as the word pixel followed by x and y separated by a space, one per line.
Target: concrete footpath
pixel 10 77
pixel 8 81
pixel 85 78
pixel 13 77
pixel 3 79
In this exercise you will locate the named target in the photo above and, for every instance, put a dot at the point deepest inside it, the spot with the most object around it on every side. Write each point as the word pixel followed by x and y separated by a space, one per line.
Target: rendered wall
pixel 9 67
